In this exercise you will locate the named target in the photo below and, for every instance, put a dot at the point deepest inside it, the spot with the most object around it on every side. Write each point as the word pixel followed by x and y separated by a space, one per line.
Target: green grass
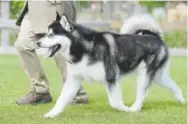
pixel 159 107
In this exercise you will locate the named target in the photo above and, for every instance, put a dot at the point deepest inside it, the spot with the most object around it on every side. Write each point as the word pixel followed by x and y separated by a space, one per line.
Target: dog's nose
pixel 38 44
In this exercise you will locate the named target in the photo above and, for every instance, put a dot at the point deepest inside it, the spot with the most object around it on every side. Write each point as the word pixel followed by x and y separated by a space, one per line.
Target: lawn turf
pixel 159 107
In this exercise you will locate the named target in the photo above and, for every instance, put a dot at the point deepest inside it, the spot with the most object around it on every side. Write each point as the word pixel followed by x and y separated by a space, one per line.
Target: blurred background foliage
pixel 16 7
pixel 152 4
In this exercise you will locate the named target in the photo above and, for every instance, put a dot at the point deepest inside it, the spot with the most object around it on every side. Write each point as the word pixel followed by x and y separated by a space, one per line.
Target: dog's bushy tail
pixel 141 24
pixel 145 24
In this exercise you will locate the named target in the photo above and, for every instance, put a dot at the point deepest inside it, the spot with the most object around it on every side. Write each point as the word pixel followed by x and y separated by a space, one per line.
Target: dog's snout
pixel 38 44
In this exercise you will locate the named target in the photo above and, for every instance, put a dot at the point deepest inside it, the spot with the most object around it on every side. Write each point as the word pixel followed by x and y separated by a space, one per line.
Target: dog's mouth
pixel 53 49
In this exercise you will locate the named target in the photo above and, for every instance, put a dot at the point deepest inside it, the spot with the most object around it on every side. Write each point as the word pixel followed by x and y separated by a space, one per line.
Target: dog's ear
pixel 58 17
pixel 65 23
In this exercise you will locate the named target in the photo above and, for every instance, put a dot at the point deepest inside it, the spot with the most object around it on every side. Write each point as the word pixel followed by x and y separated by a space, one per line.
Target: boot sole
pixel 42 101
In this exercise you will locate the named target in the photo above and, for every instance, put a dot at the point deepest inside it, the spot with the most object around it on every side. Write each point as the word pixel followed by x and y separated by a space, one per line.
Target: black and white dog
pixel 106 57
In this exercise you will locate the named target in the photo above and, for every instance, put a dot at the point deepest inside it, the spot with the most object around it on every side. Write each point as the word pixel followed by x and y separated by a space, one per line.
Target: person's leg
pixel 26 49
pixel 81 96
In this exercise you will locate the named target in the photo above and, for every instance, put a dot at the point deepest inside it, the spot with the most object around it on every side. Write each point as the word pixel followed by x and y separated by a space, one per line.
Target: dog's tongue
pixel 49 52
pixel 52 50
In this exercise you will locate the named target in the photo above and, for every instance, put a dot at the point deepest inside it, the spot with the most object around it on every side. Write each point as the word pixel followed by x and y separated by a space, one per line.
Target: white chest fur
pixel 94 71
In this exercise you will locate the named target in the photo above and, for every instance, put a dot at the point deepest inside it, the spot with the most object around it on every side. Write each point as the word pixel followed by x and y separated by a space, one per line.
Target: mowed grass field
pixel 159 108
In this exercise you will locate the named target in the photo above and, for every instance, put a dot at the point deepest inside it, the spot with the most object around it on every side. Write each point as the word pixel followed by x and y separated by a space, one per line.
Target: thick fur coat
pixel 106 57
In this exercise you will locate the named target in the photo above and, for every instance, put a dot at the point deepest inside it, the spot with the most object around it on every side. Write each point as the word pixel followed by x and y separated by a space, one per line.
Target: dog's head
pixel 58 36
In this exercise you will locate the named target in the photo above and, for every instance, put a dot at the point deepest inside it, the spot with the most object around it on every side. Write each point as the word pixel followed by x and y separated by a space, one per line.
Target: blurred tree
pixel 152 4
pixel 15 8
pixel 85 3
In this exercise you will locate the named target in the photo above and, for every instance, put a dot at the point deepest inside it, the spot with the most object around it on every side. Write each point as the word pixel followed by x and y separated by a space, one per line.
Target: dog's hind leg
pixel 143 84
pixel 115 96
pixel 163 78
pixel 70 88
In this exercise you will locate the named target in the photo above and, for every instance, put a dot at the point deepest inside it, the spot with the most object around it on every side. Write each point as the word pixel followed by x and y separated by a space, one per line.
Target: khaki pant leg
pixel 26 49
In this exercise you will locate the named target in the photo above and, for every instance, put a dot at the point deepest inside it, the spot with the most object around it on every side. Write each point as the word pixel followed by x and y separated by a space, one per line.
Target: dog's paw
pixel 180 98
pixel 51 114
pixel 125 109
pixel 135 108
pixel 48 115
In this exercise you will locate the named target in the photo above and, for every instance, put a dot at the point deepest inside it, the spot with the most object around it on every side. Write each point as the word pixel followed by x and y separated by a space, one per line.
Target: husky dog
pixel 106 57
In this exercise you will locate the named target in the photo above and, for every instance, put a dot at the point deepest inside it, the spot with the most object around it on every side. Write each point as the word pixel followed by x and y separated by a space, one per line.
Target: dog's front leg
pixel 68 92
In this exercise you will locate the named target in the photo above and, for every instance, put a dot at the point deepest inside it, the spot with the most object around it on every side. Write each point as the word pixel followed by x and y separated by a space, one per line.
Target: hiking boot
pixel 33 98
